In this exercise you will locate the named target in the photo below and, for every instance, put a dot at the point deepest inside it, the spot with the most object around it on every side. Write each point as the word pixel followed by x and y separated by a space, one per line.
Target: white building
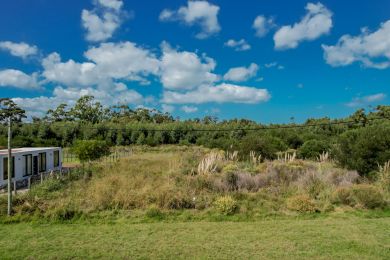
pixel 27 162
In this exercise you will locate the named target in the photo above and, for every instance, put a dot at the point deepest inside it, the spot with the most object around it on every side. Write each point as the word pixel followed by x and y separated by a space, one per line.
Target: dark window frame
pixel 56 158
pixel 5 168
pixel 42 158
pixel 26 173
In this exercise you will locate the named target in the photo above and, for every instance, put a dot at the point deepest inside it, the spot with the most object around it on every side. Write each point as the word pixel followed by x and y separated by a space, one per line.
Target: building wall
pixel 20 164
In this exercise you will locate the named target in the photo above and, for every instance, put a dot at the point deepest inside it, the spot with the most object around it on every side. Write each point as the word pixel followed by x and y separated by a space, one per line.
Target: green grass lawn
pixel 325 238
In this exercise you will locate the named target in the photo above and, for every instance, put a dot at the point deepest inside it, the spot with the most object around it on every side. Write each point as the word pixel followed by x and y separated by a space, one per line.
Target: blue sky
pixel 258 59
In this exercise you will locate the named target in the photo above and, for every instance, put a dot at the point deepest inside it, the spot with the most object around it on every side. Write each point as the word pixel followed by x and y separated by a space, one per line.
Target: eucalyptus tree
pixel 10 112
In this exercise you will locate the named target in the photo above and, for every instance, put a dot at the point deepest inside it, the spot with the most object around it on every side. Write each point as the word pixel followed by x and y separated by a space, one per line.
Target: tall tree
pixel 87 110
pixel 10 111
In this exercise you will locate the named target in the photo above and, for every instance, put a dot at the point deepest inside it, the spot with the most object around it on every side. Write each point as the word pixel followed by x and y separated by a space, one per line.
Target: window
pixel 56 158
pixel 42 162
pixel 5 168
pixel 28 164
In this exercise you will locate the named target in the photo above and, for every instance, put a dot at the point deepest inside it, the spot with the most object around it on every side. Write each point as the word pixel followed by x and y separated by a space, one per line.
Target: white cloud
pixel 222 93
pixel 167 108
pixel 107 62
pixel 240 45
pixel 103 21
pixel 372 49
pixel 21 49
pixel 239 74
pixel 18 79
pixel 196 12
pixel 69 73
pixel 189 109
pixel 316 22
pixel 262 25
pixel 366 100
pixel 38 106
pixel 114 4
pixel 123 60
pixel 185 70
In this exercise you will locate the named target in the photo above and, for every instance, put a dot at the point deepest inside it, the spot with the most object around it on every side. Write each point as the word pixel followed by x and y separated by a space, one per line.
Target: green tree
pixel 90 150
pixel 313 148
pixel 364 148
pixel 87 110
pixel 59 114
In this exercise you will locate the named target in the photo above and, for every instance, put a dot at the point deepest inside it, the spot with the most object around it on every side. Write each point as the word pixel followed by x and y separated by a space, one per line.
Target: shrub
pixel 266 145
pixel 368 196
pixel 364 148
pixel 90 150
pixel 175 200
pixel 344 196
pixel 312 149
pixel 231 180
pixel 301 203
pixel 229 168
pixel 362 195
pixel 226 205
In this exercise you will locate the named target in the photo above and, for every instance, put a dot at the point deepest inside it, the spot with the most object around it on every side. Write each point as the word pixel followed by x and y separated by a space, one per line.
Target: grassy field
pixel 325 238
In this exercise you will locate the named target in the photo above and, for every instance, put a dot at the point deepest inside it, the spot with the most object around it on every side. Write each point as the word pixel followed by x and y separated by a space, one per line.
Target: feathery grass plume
pixel 287 156
pixel 231 156
pixel 209 163
pixel 384 176
pixel 255 159
pixel 324 157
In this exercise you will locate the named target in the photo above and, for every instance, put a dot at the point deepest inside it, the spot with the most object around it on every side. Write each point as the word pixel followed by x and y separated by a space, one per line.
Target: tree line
pixel 360 141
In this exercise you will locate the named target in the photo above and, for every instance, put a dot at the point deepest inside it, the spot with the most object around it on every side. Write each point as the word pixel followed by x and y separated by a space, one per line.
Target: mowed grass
pixel 325 238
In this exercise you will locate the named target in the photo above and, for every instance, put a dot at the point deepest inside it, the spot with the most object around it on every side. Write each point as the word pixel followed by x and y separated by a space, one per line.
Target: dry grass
pixel 164 178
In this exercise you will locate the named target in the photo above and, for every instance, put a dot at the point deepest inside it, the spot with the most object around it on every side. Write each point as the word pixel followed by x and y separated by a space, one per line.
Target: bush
pixel 368 196
pixel 364 148
pixel 312 149
pixel 266 145
pixel 90 150
pixel 229 168
pixel 231 180
pixel 226 205
pixel 301 203
pixel 175 200
pixel 362 195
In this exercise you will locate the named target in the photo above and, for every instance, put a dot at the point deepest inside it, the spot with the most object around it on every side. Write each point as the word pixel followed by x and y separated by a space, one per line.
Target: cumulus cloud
pixel 262 25
pixel 182 70
pixel 201 13
pixel 70 73
pixel 240 45
pixel 317 22
pixel 222 93
pixel 18 79
pixel 372 49
pixel 101 22
pixel 106 63
pixel 366 100
pixel 21 49
pixel 123 60
pixel 114 4
pixel 189 109
pixel 38 106
pixel 239 74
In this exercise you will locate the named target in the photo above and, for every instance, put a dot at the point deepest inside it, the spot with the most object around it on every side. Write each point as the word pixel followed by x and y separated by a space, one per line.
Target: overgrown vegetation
pixel 161 182
pixel 359 142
